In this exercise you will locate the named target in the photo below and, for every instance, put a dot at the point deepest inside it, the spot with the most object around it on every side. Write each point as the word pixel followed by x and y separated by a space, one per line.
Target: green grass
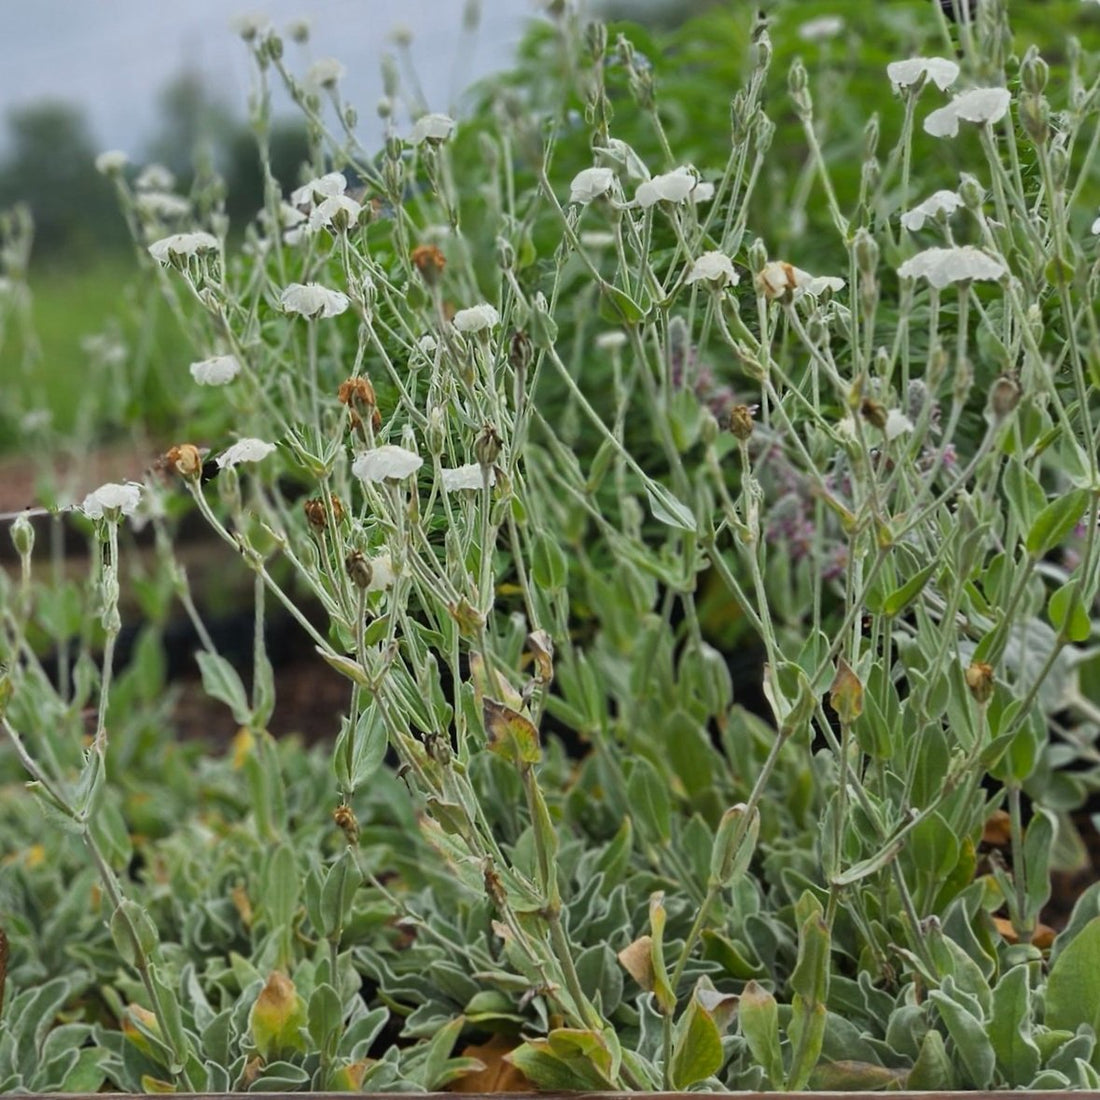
pixel 54 368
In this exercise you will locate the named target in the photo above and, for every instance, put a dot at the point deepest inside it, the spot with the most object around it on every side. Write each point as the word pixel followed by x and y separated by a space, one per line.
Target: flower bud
pixel 870 137
pixel 971 192
pixel 758 256
pixel 866 250
pixel 763 132
pixel 595 37
pixel 22 536
pixel 734 844
pixel 762 50
pixel 437 430
pixel 1035 117
pixel 1034 72
pixel 1059 166
pixel 798 87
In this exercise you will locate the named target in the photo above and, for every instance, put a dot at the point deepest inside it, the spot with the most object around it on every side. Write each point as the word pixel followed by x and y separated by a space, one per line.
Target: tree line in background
pixel 50 166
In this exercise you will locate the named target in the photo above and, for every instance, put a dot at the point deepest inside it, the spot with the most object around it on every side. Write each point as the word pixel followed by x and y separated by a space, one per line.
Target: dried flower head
pixel 317 513
pixel 184 459
pixel 741 418
pixel 979 679
pixel 430 262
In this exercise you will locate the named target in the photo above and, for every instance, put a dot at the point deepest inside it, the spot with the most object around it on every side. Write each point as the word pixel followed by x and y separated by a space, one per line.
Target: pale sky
pixel 113 56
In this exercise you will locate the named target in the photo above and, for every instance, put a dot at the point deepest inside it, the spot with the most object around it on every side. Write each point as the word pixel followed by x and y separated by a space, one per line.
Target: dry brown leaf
pixel 498 1075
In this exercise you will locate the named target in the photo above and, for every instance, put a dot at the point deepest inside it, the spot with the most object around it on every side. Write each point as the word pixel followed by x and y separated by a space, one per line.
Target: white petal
pixel 216 371
pixel 334 183
pixel 476 318
pixel 433 128
pixel 942 202
pixel 470 476
pixel 245 450
pixel 942 72
pixel 113 496
pixel 590 184
pixel 385 462
pixel 714 267
pixel 943 266
pixel 182 244
pixel 313 300
pixel 983 104
pixel 942 122
pixel 897 423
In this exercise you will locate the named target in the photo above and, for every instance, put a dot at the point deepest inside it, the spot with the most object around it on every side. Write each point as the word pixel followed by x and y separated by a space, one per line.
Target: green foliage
pixel 487 437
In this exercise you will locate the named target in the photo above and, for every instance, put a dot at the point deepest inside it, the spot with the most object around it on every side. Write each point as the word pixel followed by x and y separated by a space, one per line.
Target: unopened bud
pixel 22 536
pixel 734 844
pixel 870 137
pixel 1034 72
pixel 1035 117
pixel 595 37
pixel 866 250
pixel 437 430
pixel 971 192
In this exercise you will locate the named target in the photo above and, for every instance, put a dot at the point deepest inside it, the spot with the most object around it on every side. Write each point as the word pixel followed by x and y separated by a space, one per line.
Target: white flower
pixel 386 461
pixel 476 318
pixel 249 24
pixel 325 72
pixel 334 183
pixel 244 450
pixel 313 300
pixel 904 74
pixel 609 341
pixel 704 192
pixel 942 202
pixel 465 477
pixel 590 184
pixel 110 162
pixel 381 572
pixel 337 211
pixel 976 105
pixel 714 267
pixel 674 186
pixel 162 204
pixel 290 216
pixel 112 498
pixel 777 279
pixel 897 423
pixel 1096 224
pixel 821 29
pixel 941 266
pixel 182 244
pixel 155 177
pixel 433 128
pixel 216 371
pixel 427 344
